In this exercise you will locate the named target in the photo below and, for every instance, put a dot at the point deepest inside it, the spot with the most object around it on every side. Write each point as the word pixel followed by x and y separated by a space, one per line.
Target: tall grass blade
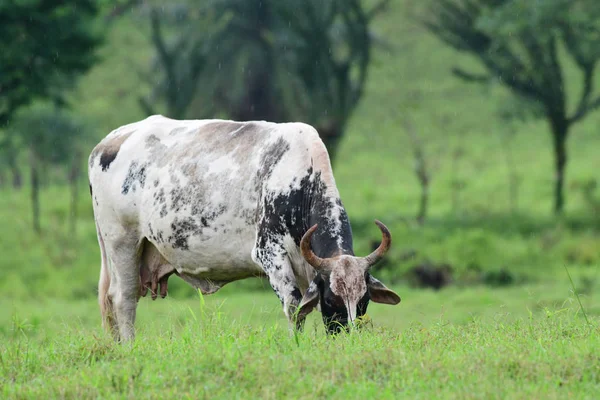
pixel 578 299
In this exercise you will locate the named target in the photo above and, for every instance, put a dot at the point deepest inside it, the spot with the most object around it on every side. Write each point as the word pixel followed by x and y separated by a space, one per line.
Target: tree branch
pixel 5 118
pixel 361 51
pixel 121 9
pixel 590 106
pixel 470 77
pixel 588 85
pixel 454 23
pixel 510 79
pixel 556 81
pixel 146 106
pixel 377 9
pixel 163 53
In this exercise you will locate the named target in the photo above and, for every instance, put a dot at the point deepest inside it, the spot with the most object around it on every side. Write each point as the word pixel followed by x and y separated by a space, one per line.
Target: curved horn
pixel 320 264
pixel 386 242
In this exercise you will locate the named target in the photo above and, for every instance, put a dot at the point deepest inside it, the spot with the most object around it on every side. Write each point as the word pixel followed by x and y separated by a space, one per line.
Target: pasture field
pixel 480 337
pixel 518 343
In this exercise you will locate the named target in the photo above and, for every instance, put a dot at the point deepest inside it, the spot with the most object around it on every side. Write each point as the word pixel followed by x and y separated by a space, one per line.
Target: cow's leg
pixel 124 288
pixel 273 259
pixel 106 307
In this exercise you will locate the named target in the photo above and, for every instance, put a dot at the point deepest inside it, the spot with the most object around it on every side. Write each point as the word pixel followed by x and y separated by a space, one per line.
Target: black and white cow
pixel 216 201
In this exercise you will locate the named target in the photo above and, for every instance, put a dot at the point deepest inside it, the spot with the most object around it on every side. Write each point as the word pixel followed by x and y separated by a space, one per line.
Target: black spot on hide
pixel 159 197
pixel 297 295
pixel 163 211
pixel 182 230
pixel 298 210
pixel 271 157
pixel 107 158
pixel 135 175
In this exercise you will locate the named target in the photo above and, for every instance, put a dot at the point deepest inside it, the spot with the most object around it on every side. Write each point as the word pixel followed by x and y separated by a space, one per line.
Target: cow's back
pixel 193 188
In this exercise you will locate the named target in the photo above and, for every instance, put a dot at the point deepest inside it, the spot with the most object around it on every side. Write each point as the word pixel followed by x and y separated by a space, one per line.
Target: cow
pixel 215 201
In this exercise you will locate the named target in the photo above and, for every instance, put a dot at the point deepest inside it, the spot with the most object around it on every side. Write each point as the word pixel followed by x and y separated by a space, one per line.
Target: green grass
pixel 515 343
pixel 469 340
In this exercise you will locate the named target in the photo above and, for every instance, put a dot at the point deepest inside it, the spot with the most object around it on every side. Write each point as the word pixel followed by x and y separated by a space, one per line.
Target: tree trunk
pixel 17 178
pixel 513 191
pixel 456 183
pixel 258 101
pixel 560 130
pixel 330 134
pixel 424 201
pixel 35 196
pixel 73 174
pixel 513 175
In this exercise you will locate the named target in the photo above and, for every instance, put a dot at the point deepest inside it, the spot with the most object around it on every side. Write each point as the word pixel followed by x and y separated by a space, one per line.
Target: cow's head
pixel 343 285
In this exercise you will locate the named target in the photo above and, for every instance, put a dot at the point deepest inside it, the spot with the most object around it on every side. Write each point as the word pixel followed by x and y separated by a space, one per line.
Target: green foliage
pixel 272 60
pixel 328 49
pixel 51 138
pixel 50 44
pixel 52 135
pixel 518 42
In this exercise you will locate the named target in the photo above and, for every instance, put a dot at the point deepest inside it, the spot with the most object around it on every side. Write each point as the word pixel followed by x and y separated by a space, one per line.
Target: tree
pixel 178 62
pixel 329 50
pixel 266 59
pixel 425 164
pixel 511 110
pixel 9 151
pixel 518 43
pixel 45 45
pixel 52 137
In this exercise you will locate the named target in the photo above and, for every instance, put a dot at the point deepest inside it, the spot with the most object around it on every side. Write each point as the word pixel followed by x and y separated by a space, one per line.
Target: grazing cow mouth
pixel 343 285
pixel 334 326
pixel 335 312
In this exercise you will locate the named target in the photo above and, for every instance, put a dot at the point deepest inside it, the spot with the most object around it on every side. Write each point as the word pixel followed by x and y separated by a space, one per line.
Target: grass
pixel 238 346
pixel 530 339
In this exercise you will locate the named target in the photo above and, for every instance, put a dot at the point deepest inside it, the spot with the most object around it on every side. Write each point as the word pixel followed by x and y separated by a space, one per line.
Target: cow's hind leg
pixel 109 322
pixel 124 288
pixel 274 261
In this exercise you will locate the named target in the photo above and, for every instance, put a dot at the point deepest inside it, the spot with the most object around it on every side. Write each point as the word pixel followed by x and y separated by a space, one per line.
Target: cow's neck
pixel 334 234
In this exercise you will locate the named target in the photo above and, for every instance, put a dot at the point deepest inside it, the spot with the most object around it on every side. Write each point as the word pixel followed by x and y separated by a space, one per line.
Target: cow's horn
pixel 320 264
pixel 386 242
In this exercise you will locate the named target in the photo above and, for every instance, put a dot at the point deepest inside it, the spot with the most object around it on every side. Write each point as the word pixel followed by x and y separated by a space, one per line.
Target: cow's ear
pixel 379 293
pixel 310 298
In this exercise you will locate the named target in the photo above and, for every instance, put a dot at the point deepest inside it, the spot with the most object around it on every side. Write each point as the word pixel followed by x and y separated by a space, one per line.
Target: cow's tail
pixel 106 306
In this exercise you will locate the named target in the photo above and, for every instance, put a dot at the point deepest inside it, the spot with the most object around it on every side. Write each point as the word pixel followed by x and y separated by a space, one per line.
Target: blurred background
pixel 469 127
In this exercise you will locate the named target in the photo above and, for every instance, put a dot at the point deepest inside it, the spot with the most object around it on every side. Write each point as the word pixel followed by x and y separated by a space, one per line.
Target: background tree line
pixel 277 60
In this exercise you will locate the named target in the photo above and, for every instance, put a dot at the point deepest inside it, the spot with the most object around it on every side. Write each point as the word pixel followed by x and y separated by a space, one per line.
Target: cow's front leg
pixel 274 261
